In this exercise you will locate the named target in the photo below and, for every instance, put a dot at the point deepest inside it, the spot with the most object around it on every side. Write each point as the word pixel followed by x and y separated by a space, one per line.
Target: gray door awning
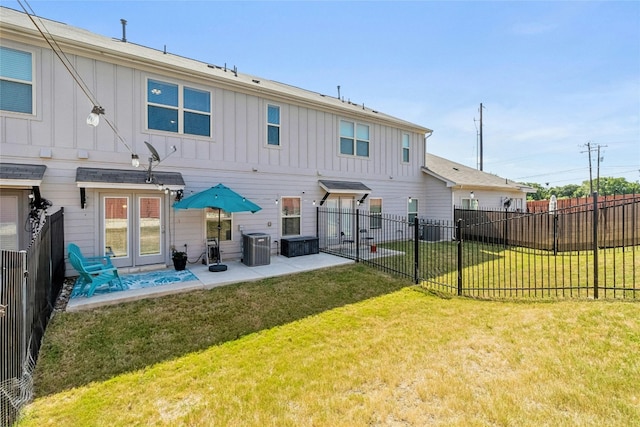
pixel 21 175
pixel 343 187
pixel 127 179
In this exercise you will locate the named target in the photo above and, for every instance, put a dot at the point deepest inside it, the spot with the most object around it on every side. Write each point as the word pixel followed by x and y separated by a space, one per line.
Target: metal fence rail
pixel 592 251
pixel 30 283
pixel 367 237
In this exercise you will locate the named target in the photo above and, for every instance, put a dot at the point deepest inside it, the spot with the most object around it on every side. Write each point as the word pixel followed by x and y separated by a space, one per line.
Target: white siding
pixel 439 200
pixel 489 199
pixel 309 151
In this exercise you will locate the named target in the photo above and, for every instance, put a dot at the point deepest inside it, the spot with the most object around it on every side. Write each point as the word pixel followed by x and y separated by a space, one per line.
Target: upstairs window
pixel 405 147
pixel 176 108
pixel 16 81
pixel 354 139
pixel 273 125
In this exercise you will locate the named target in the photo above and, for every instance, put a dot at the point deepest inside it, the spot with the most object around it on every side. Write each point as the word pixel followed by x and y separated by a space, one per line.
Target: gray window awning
pixel 127 179
pixel 343 187
pixel 21 175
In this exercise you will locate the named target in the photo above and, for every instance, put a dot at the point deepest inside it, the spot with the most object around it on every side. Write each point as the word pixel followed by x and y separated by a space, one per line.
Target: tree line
pixel 607 187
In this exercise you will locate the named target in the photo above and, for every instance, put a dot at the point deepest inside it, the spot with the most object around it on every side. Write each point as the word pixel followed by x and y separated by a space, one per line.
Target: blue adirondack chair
pixel 94 263
pixel 94 271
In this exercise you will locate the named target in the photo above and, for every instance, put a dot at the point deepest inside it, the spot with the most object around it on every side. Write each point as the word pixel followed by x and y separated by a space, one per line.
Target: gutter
pixel 152 60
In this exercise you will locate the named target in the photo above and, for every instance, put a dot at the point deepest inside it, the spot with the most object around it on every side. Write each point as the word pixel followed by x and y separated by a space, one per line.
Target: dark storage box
pixel 298 246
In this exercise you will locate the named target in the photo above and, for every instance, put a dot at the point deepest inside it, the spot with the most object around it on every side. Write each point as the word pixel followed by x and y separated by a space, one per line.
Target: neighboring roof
pixel 458 175
pixel 79 41
pixel 21 175
pixel 344 187
pixel 124 178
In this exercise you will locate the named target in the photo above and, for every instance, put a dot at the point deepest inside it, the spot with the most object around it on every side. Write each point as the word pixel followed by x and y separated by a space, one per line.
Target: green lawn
pixel 496 271
pixel 340 347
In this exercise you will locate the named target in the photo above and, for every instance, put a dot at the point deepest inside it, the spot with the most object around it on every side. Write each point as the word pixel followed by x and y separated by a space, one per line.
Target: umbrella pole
pixel 218 267
pixel 219 227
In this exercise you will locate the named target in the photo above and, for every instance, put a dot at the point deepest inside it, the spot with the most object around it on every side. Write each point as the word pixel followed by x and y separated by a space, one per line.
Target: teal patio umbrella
pixel 222 198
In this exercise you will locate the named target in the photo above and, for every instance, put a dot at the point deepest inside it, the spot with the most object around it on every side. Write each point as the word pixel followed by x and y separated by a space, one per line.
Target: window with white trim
pixel 273 125
pixel 412 210
pixel 291 216
pixel 176 108
pixel 354 139
pixel 16 81
pixel 405 147
pixel 213 219
pixel 375 212
pixel 471 203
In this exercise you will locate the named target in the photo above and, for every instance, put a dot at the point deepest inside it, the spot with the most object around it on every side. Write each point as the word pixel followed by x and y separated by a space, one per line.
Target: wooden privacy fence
pixel 538 206
pixel 567 229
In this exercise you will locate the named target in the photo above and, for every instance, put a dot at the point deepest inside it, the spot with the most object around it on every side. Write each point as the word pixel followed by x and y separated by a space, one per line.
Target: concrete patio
pixel 237 272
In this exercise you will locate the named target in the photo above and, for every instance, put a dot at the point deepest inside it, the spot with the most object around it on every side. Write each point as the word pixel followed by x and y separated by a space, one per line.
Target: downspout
pixel 426 136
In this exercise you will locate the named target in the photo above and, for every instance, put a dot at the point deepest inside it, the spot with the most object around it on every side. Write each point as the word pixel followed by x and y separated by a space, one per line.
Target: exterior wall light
pixel 94 117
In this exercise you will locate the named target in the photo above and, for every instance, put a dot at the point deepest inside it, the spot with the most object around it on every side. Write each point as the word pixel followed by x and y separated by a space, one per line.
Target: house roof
pixel 21 175
pixel 125 178
pixel 17 25
pixel 458 175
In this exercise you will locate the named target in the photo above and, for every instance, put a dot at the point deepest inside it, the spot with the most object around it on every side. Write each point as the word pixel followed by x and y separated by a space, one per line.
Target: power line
pixel 551 173
pixel 66 62
pixel 589 150
pixel 58 51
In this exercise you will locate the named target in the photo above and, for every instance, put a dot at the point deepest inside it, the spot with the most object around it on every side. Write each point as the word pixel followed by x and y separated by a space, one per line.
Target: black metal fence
pixel 587 252
pixel 30 283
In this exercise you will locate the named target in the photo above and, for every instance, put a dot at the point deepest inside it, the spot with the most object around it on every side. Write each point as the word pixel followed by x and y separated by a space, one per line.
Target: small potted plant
pixel 179 260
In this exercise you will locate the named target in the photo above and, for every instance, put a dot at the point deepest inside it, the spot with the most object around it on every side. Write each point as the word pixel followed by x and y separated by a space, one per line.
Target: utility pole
pixel 590 173
pixel 600 160
pixel 598 173
pixel 590 148
pixel 481 136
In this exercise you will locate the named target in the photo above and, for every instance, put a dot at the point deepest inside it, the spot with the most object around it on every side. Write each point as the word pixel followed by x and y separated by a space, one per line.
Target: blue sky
pixel 552 76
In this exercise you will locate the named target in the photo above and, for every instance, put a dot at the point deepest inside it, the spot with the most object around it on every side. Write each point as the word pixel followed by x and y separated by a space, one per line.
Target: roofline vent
pixel 124 30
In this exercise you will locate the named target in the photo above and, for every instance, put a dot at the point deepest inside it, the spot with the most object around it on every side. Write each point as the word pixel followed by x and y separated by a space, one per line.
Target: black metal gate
pixel 30 283
pixel 591 251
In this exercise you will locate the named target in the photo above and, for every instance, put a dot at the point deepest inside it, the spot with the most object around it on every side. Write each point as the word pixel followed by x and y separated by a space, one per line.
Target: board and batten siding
pixel 309 138
pixel 236 155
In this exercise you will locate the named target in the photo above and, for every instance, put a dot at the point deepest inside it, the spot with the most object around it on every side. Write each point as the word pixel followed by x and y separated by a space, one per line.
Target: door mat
pixel 138 281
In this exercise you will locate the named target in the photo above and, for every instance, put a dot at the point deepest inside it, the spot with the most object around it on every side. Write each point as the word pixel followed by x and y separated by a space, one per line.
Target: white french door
pixel 133 228
pixel 10 221
pixel 341 218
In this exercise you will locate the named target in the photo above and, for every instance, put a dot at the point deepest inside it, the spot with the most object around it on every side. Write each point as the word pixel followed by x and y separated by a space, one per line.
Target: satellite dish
pixel 154 154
